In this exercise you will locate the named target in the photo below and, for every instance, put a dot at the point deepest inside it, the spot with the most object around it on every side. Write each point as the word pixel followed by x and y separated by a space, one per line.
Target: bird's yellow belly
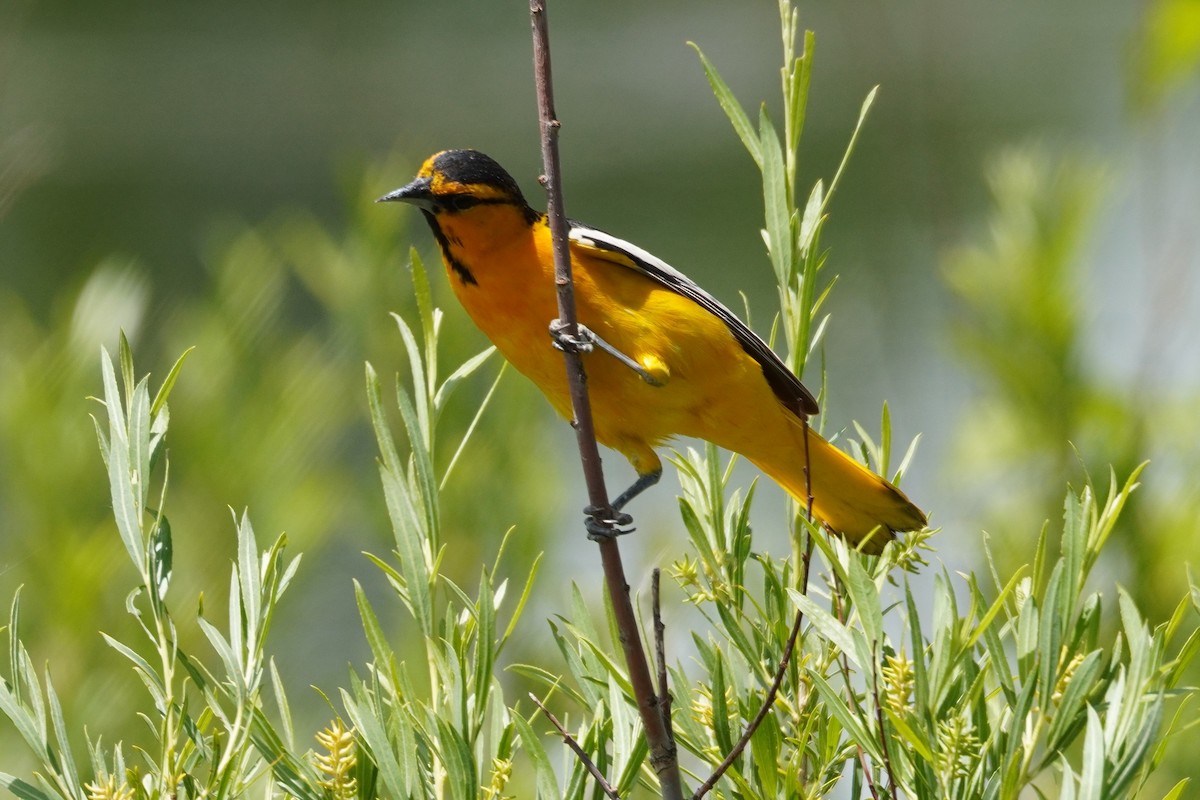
pixel 707 382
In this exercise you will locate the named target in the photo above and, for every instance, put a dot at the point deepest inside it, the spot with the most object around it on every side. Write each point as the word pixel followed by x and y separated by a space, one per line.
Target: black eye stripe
pixel 461 201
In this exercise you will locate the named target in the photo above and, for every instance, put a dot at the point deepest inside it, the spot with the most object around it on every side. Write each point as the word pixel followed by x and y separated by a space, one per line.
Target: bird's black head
pixel 454 181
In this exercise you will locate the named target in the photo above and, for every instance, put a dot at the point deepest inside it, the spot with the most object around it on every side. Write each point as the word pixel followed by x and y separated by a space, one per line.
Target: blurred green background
pixel 1016 241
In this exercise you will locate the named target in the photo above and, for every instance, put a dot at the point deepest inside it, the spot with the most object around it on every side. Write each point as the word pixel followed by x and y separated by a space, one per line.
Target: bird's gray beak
pixel 417 193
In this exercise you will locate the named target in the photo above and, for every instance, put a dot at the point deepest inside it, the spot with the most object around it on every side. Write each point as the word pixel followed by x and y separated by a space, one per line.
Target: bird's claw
pixel 611 515
pixel 604 524
pixel 582 341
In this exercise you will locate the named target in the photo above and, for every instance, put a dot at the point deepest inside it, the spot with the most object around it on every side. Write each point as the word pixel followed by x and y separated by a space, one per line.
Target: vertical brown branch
pixel 663 756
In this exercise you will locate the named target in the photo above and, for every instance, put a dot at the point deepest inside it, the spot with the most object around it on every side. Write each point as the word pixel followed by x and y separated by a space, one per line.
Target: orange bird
pixel 663 357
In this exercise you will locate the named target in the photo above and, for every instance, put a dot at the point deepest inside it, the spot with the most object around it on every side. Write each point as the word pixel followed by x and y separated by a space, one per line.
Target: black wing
pixel 783 382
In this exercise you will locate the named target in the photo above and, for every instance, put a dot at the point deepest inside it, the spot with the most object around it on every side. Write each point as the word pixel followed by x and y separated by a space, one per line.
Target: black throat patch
pixel 455 263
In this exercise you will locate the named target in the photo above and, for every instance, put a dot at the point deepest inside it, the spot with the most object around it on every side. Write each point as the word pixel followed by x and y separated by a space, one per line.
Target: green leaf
pixel 164 391
pixel 545 782
pixel 399 783
pixel 249 579
pixel 162 556
pixel 21 789
pixel 293 774
pixel 525 593
pixel 485 643
pixel 66 759
pixel 731 107
pixel 1091 776
pixel 421 431
pixel 810 220
pixel 865 596
pixel 776 201
pixel 126 508
pixel 466 437
pixel 854 726
pixel 466 370
pixel 1177 790
pixel 835 632
pixel 148 675
pixel 421 457
pixel 463 779
pixel 720 707
pixel 381 649
pixel 406 522
pixel 22 720
pixel 766 748
pixel 862 117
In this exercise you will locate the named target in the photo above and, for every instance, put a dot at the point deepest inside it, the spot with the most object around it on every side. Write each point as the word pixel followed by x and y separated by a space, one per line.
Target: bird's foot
pixel 582 341
pixel 606 523
pixel 585 340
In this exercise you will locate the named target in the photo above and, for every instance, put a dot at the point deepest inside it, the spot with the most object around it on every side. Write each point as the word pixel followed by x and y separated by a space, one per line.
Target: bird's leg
pixel 643 483
pixel 585 340
pixel 602 523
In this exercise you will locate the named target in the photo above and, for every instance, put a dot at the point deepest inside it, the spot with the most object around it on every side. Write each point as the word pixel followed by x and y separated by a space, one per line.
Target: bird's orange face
pixel 454 181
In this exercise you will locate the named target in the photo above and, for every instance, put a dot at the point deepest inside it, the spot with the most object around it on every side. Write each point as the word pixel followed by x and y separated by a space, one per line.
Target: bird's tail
pixel 850 499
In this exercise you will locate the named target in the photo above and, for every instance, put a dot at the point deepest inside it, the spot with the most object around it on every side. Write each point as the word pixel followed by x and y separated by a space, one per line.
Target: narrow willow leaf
pixel 865 596
pixel 66 759
pixel 22 720
pixel 545 783
pixel 862 117
pixel 632 768
pixel 731 107
pixel 1091 775
pixel 162 557
pixel 720 706
pixel 834 703
pixel 466 437
pixel 292 773
pixel 458 760
pixel 825 623
pixel 281 704
pixel 1070 712
pixel 985 622
pixel 422 431
pixel 126 509
pixel 125 356
pixel 485 643
pixel 1177 790
pixel 21 789
pixel 370 728
pixel 406 522
pixel 1131 759
pixel 466 370
pixel 525 593
pixel 427 313
pixel 164 391
pixel 381 649
pixel 148 675
pixel 421 457
pixel 766 749
pixel 776 201
pixel 910 735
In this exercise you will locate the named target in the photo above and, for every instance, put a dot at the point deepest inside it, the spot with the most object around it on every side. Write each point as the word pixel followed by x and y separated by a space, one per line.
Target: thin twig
pixel 663 756
pixel 660 653
pixel 569 740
